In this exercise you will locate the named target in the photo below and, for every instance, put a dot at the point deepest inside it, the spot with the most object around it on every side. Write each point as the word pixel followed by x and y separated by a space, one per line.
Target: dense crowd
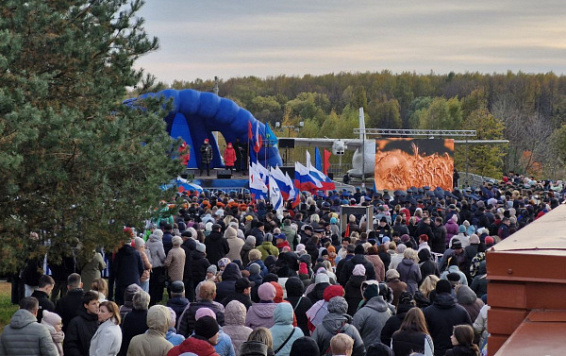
pixel 240 280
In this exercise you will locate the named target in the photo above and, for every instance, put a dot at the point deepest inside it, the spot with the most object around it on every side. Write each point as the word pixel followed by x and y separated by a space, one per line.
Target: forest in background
pixel 529 110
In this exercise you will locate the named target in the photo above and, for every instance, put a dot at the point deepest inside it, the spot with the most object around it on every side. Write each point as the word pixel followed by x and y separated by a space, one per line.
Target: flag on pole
pixel 258 140
pixel 258 189
pixel 270 137
pixel 326 162
pixel 293 193
pixel 275 197
pixel 317 159
pixel 304 180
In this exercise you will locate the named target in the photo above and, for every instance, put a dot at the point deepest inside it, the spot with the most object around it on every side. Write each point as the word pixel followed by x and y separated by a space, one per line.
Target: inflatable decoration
pixel 194 117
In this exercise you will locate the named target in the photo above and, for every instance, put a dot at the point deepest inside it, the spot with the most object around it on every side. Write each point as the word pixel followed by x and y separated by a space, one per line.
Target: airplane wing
pixel 350 143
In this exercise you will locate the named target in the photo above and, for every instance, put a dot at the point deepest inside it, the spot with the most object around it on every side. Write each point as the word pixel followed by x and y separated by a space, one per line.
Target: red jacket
pixel 194 345
pixel 229 155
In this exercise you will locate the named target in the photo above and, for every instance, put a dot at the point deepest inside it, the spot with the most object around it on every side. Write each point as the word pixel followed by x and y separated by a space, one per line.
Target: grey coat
pixel 25 336
pixel 371 318
pixel 333 324
pixel 155 251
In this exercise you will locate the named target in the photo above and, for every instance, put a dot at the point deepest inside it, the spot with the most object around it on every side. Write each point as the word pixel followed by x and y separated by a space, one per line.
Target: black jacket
pixel 348 268
pixel 127 266
pixel 44 303
pixel 295 289
pixel 189 247
pixel 406 342
pixel 461 351
pixel 69 306
pixel 353 293
pixel 394 323
pixel 441 317
pixel 228 285
pixel 242 298
pixel 199 264
pixel 216 247
pixel 187 322
pixel 79 333
pixel 134 323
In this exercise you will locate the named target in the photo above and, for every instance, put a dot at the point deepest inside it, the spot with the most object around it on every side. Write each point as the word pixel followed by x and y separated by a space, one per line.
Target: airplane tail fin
pixel 362 125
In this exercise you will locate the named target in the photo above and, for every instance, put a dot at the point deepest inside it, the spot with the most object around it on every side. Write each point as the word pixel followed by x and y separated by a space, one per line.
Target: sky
pixel 238 38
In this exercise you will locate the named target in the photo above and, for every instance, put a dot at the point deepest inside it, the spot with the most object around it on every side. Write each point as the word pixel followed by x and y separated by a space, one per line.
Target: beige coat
pixel 175 263
pixel 152 343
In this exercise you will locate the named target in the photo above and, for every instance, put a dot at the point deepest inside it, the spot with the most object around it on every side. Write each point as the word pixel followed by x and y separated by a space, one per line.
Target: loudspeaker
pixel 290 170
pixel 223 174
pixel 286 143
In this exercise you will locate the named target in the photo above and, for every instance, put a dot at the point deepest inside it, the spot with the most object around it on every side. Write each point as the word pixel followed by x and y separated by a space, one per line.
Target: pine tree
pixel 76 163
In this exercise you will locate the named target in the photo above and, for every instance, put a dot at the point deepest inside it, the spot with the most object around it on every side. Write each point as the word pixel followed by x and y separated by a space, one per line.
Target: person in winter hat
pixel 318 311
pixel 223 346
pixel 234 319
pixel 235 244
pixel 353 292
pixel 54 324
pixel 300 304
pixel 248 245
pixel 304 346
pixel 370 319
pixel 283 332
pixel 202 342
pixel 153 341
pixel 337 321
pixel 261 314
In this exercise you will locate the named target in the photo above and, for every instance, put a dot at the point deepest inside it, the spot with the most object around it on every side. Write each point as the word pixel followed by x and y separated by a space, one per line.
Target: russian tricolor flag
pixel 304 180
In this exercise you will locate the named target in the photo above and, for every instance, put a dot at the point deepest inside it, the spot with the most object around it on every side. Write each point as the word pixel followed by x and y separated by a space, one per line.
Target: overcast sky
pixel 231 38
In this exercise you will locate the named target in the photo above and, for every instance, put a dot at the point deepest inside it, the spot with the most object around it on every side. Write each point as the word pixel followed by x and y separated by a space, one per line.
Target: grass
pixel 6 307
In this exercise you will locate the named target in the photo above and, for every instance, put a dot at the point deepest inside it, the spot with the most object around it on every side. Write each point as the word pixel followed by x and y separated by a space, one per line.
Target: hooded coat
pixel 26 337
pixel 332 324
pixel 216 247
pixel 354 293
pixel 267 249
pixel 467 298
pixel 441 317
pixel 410 273
pixel 175 263
pixel 349 265
pixel 300 304
pixel 260 314
pixel 235 244
pixel 228 285
pixel 371 318
pixel 153 342
pixel 199 264
pixel 156 253
pixel 479 283
pixel 283 329
pixel 234 319
pixel 248 245
pixel 378 266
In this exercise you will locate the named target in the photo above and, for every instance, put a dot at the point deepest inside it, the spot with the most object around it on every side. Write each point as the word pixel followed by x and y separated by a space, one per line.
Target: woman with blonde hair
pixel 262 335
pixel 426 293
pixel 100 286
pixel 409 270
pixel 108 337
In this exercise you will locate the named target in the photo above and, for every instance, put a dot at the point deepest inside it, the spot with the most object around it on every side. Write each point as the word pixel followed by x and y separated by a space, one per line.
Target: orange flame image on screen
pixel 398 169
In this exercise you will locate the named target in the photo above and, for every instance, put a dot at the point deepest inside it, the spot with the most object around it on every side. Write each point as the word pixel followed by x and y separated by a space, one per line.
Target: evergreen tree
pixel 77 164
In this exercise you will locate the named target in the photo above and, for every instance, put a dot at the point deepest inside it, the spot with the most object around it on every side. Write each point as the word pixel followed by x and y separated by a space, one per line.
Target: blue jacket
pixel 283 327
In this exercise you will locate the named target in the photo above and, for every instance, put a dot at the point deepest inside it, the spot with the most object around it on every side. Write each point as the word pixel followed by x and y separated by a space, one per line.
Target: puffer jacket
pixel 260 314
pixel 80 331
pixel 199 264
pixel 245 250
pixel 283 328
pixel 267 249
pixel 156 253
pixel 410 273
pixel 149 344
pixel 187 322
pixel 228 285
pixel 234 319
pixel 378 266
pixel 295 289
pixel 333 324
pixel 371 318
pixel 349 265
pixel 26 337
pixel 216 247
pixel 467 298
pixel 353 293
pixel 441 317
pixel 195 345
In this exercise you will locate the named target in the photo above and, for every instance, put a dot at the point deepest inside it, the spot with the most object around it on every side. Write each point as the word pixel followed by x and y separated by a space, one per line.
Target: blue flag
pixel 270 137
pixel 317 159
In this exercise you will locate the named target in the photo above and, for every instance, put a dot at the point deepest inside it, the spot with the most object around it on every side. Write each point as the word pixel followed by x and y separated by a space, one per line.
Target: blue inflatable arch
pixel 195 115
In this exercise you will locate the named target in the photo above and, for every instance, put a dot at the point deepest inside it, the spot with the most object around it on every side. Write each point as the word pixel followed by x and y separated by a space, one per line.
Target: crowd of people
pixel 227 277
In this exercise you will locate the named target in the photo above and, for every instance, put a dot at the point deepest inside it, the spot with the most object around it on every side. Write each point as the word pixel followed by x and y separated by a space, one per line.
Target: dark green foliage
pixel 77 164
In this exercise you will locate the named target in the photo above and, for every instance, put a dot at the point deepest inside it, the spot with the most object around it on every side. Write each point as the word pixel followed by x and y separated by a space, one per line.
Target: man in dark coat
pixel 241 156
pixel 127 269
pixel 216 245
pixel 167 238
pixel 295 289
pixel 199 263
pixel 83 327
pixel 189 246
pixel 349 265
pixel 68 306
pixel 438 244
pixel 424 227
pixel 242 293
pixel 207 295
pixel 442 316
pixel 258 232
pixel 42 292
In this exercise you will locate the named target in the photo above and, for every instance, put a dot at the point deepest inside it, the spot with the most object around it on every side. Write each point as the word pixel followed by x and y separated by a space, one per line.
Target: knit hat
pixel 333 220
pixel 269 237
pixel 359 270
pixel 332 291
pixel 200 247
pixel 371 291
pixel 443 286
pixel 489 241
pixel 177 241
pixel 177 287
pixel 405 238
pixel 51 318
pixel 456 244
pixel 321 278
pixel 212 269
pixel 474 239
pixel 249 218
pixel 300 249
pixel 385 239
pixel 139 242
pixel 392 274
pixel 254 268
pixel 202 312
pixel 266 292
pixel 223 262
pixel 401 248
pixel 206 327
pixel 304 346
pixel 281 236
pixel 250 240
pixel 337 305
pixel 461 229
pixel 158 233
